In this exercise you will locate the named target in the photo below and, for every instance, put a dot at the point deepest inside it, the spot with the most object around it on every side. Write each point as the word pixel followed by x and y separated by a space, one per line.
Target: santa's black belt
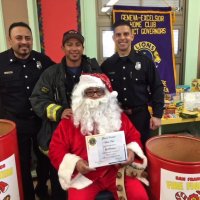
pixel 130 111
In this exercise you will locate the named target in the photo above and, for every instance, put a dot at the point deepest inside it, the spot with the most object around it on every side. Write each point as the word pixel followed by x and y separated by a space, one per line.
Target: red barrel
pixel 174 167
pixel 10 176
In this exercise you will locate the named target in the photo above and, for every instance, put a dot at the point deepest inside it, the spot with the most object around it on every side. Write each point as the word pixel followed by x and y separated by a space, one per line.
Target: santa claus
pixel 95 111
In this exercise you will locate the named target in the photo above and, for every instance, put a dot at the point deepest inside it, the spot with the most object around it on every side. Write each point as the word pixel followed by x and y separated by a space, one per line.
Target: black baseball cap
pixel 72 34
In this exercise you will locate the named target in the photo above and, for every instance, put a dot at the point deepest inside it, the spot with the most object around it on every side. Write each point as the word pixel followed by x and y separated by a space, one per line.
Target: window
pixel 108 44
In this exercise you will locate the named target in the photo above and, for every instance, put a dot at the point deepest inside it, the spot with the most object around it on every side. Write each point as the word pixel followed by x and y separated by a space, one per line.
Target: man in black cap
pixel 51 97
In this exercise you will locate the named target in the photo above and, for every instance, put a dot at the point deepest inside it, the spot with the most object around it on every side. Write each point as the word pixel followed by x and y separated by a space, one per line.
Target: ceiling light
pixel 105 9
pixel 112 2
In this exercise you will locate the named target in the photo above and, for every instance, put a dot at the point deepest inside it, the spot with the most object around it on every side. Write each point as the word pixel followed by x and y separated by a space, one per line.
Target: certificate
pixel 106 149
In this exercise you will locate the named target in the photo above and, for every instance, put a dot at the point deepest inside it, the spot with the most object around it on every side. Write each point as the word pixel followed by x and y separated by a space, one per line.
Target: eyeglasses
pixel 90 92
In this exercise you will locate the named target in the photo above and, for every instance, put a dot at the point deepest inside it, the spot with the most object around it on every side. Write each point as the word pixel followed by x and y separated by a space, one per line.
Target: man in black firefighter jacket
pixel 51 97
pixel 20 68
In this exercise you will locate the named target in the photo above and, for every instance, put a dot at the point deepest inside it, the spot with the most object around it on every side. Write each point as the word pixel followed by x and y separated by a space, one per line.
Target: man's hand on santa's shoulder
pixel 67 113
pixel 83 167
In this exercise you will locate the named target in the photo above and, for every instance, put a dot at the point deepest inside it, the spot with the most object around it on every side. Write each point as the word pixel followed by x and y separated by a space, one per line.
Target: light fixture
pixel 108 5
pixel 105 9
pixel 112 2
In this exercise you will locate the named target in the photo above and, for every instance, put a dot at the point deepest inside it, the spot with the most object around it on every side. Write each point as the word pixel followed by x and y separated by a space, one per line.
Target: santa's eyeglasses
pixel 91 92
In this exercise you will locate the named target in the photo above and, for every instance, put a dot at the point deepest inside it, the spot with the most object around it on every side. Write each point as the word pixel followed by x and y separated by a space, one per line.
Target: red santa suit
pixel 68 146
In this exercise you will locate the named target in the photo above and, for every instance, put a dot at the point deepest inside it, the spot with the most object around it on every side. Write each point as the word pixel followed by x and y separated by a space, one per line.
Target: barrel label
pixel 8 179
pixel 179 186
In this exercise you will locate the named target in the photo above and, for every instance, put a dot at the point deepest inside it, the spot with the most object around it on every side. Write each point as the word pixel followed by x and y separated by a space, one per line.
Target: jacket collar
pixel 83 61
pixel 131 56
pixel 12 58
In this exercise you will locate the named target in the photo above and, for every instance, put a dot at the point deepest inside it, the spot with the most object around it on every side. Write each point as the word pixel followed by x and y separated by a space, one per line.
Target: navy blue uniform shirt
pixel 17 80
pixel 136 80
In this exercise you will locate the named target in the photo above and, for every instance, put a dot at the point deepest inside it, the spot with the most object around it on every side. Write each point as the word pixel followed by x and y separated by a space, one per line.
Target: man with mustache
pixel 95 111
pixel 20 68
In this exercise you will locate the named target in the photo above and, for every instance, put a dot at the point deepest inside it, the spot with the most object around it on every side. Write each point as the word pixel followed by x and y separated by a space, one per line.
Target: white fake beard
pixel 103 115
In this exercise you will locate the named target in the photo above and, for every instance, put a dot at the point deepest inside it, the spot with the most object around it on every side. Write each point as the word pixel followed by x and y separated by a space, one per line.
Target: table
pixel 168 121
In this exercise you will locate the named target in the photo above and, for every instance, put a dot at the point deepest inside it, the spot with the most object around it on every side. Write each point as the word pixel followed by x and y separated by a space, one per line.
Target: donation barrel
pixel 10 176
pixel 173 167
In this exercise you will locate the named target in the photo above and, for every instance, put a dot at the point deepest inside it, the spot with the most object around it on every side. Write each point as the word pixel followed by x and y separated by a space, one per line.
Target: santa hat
pixel 90 80
pixel 94 80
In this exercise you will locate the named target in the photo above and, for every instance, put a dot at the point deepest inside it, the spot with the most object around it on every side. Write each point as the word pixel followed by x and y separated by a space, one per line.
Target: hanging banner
pixel 55 18
pixel 153 32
